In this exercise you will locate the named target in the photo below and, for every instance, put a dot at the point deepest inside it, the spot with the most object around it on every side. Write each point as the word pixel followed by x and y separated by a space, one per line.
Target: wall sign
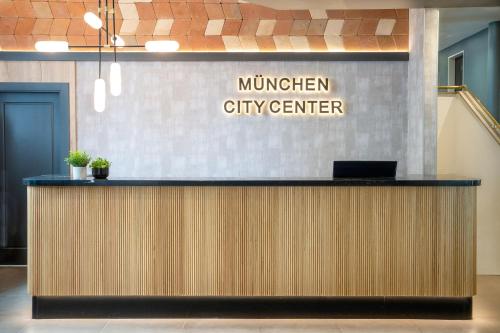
pixel 259 84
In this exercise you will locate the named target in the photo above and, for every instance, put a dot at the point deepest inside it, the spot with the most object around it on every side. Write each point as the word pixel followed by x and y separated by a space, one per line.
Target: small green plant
pixel 78 158
pixel 100 163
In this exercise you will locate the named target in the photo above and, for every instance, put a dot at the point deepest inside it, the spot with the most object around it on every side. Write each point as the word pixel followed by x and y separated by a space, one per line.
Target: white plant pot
pixel 78 173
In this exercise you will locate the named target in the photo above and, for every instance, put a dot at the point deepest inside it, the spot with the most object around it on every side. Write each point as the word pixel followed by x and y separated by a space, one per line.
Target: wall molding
pixel 208 56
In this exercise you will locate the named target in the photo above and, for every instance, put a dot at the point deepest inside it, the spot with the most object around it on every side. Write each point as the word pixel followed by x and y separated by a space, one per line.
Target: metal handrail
pixel 482 112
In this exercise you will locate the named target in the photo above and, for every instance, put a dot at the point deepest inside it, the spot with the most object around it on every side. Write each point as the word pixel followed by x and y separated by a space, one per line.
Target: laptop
pixel 364 169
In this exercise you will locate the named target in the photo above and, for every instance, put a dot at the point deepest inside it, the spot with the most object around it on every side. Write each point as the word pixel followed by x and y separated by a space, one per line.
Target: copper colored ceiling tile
pixel 76 27
pixel 180 10
pixel 59 37
pixel 350 27
pixel 401 42
pixel 215 43
pixel 248 11
pixel 214 11
pixel 401 27
pixel 59 9
pixel 145 11
pixel 91 7
pixel 76 9
pixel 265 43
pixel 301 14
pixel 141 40
pixel 198 10
pixel 368 43
pixel 184 44
pixel 146 27
pixel 198 43
pixel 299 27
pixel 231 27
pixel 266 13
pixel 335 14
pixel 317 43
pixel 25 42
pixel 402 13
pixel 352 43
pixel 231 11
pixel 42 26
pixel 180 27
pixel 7 9
pixel 76 40
pixel 7 25
pixel 25 26
pixel 42 9
pixel 59 27
pixel 91 40
pixel 284 14
pixel 24 8
pixel 368 26
pixel 8 42
pixel 282 27
pixel 198 26
pixel 317 27
pixel 162 10
pixel 386 43
pixel 249 27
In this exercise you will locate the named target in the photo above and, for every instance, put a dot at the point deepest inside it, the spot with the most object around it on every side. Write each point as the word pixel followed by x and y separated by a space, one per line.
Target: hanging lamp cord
pixel 114 31
pixel 99 12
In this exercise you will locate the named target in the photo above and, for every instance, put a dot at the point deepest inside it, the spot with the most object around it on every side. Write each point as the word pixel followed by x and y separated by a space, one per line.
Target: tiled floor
pixel 15 312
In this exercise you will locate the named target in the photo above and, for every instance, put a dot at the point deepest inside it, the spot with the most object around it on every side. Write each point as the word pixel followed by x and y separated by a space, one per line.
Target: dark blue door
pixel 34 141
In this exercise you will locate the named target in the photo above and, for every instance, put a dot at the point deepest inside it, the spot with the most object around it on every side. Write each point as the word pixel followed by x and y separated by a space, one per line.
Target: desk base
pixel 252 307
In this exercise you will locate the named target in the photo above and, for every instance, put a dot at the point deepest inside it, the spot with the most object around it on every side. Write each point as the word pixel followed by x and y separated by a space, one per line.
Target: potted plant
pixel 78 161
pixel 100 168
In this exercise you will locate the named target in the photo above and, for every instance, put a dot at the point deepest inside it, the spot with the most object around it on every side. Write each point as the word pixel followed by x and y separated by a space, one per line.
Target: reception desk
pixel 226 247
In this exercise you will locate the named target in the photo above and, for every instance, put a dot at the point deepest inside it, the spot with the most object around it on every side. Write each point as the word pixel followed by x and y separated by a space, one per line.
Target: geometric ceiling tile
pixel 214 27
pixel 368 26
pixel 7 9
pixel 76 9
pixel 318 13
pixel 198 10
pixel 42 27
pixel 231 27
pixel 7 25
pixel 25 26
pixel 334 27
pixel 163 27
pixel 76 27
pixel 24 8
pixel 299 43
pixel 59 27
pixel 162 10
pixel 334 43
pixel 129 11
pixel 180 10
pixel 214 11
pixel 265 28
pixel 231 43
pixel 317 27
pixel 385 26
pixel 145 11
pixel 59 9
pixel 145 27
pixel 282 43
pixel 350 27
pixel 42 9
pixel 129 27
pixel 231 11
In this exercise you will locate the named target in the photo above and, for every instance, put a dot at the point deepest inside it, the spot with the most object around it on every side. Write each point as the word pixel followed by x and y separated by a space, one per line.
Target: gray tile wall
pixel 169 120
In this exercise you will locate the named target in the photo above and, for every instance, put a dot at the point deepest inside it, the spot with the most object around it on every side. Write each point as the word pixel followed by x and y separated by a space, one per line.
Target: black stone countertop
pixel 445 180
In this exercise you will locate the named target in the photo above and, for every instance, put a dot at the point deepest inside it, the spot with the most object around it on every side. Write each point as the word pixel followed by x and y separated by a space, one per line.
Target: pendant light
pixel 93 20
pixel 115 73
pixel 51 46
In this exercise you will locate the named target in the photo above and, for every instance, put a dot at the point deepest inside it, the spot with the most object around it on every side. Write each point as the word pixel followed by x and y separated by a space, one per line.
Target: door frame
pixel 451 67
pixel 17 256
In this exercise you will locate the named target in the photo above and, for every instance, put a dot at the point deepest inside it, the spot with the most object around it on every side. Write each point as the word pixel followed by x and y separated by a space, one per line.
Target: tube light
pixel 93 20
pixel 161 46
pixel 115 79
pixel 51 46
pixel 99 95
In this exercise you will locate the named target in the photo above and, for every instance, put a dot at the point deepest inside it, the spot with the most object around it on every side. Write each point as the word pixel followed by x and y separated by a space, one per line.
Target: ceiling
pixel 372 4
pixel 456 24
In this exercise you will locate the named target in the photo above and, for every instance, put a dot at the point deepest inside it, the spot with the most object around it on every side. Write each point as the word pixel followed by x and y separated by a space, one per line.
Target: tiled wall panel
pixel 207 26
pixel 169 120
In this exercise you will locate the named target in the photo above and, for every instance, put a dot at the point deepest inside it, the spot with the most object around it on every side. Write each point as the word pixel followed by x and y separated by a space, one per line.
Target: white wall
pixel 466 148
pixel 169 120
